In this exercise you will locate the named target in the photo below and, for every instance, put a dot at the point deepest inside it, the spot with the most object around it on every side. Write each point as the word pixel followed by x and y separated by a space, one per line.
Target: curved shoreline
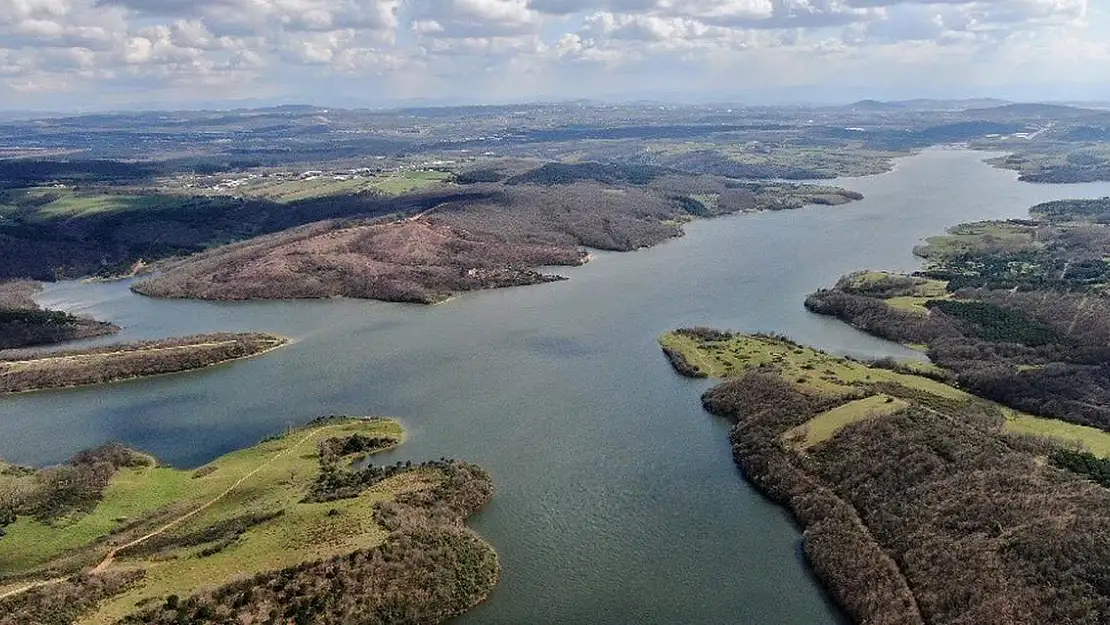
pixel 86 375
pixel 411 525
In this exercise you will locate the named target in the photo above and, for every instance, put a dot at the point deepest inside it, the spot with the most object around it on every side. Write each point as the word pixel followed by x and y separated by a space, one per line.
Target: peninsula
pixel 285 531
pixel 23 323
pixel 921 503
pixel 21 372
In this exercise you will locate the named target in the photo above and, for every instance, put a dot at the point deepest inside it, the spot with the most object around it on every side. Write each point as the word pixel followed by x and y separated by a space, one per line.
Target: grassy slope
pixel 280 470
pixel 915 302
pixel 813 368
pixel 966 237
pixel 836 376
pixel 825 425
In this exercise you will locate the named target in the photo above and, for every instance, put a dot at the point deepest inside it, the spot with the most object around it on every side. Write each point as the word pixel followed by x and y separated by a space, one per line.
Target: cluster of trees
pixel 417 577
pixel 931 515
pixel 1028 325
pixel 337 482
pixel 63 602
pixel 15 173
pixel 1069 173
pixel 1093 210
pixel 1084 463
pixel 333 449
pixel 74 487
pixel 994 323
pixel 873 316
pixel 27 328
pixel 119 362
pixel 551 174
pixel 429 569
pixel 1047 355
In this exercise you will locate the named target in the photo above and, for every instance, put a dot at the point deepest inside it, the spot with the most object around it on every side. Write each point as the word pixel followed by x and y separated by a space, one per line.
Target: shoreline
pixel 278 343
pixel 413 520
pixel 825 438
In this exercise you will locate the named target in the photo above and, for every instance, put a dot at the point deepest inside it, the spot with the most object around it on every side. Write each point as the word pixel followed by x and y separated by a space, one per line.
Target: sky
pixel 113 54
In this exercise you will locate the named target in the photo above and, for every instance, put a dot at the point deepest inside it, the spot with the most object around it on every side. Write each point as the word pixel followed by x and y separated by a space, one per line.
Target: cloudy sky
pixel 65 54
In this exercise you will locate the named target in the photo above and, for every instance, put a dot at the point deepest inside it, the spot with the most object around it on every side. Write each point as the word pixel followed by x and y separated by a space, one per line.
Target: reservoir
pixel 617 500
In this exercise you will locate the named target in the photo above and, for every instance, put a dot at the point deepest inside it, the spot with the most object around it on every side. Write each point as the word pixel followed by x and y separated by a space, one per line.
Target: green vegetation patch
pixel 1084 437
pixel 1084 463
pixel 409 181
pixel 998 324
pixel 711 353
pixel 1094 211
pixel 979 236
pixel 249 513
pixel 825 425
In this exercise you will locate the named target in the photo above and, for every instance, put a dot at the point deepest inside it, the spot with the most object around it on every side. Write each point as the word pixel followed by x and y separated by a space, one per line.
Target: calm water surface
pixel 617 500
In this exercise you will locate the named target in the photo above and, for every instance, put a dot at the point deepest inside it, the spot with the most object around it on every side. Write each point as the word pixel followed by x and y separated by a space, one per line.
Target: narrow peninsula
pixel 921 503
pixel 21 372
pixel 1016 311
pixel 287 531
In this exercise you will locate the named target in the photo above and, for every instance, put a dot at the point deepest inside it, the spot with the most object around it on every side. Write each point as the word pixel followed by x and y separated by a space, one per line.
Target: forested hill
pixel 1017 311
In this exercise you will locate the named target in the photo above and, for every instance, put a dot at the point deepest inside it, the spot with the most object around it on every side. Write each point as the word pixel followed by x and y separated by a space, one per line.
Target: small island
pixel 289 530
pixel 99 365
pixel 921 503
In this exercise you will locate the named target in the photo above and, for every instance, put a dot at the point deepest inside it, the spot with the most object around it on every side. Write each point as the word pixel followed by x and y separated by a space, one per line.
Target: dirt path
pixel 110 558
pixel 153 350
pixel 23 589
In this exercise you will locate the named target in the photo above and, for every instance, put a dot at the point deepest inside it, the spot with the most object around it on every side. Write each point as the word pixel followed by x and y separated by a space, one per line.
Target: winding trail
pixel 110 558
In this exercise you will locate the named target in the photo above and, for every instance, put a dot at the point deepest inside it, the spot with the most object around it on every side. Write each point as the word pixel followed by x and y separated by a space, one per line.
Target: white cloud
pixel 312 48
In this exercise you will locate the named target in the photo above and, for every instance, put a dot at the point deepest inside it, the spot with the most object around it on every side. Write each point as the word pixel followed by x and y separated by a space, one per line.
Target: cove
pixel 617 500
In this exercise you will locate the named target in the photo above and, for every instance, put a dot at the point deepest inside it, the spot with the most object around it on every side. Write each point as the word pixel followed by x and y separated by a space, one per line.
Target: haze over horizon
pixel 83 55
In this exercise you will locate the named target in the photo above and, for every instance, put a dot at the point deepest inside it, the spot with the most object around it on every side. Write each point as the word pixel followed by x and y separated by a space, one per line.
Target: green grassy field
pixel 803 365
pixel 976 235
pixel 1091 439
pixel 57 203
pixel 408 181
pixel 286 190
pixel 838 377
pixel 270 477
pixel 825 425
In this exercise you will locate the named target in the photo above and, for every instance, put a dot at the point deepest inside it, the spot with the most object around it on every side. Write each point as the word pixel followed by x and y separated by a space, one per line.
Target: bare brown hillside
pixel 492 237
pixel 411 260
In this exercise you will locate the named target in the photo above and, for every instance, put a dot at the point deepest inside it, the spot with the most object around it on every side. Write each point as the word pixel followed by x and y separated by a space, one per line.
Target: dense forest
pixel 927 513
pixel 1024 318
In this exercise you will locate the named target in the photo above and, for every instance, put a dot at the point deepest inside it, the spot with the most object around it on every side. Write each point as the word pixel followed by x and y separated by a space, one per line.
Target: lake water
pixel 617 500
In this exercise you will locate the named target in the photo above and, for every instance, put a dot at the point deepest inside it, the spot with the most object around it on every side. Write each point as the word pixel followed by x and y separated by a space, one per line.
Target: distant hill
pixel 925 104
pixel 1034 110
pixel 875 105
